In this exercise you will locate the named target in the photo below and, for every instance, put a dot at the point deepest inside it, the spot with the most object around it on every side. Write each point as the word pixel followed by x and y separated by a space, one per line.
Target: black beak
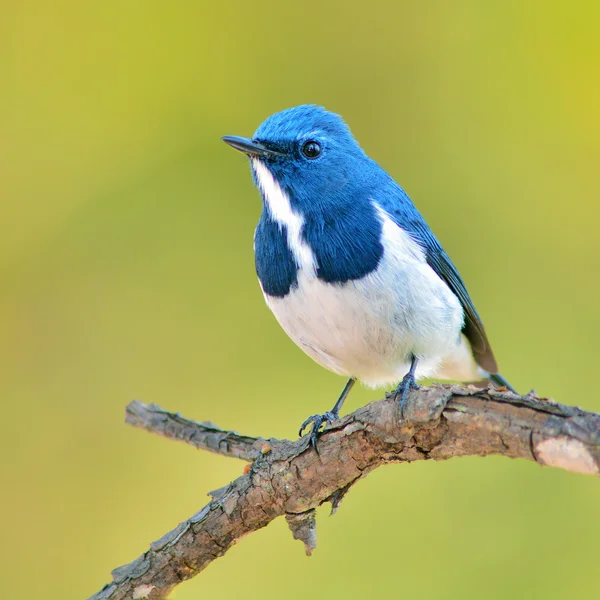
pixel 248 146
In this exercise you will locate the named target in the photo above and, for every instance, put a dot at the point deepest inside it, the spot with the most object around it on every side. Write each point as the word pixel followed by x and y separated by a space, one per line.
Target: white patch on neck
pixel 397 240
pixel 280 209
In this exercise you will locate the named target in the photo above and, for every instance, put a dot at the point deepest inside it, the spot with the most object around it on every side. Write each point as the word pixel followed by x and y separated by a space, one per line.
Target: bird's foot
pixel 408 383
pixel 317 422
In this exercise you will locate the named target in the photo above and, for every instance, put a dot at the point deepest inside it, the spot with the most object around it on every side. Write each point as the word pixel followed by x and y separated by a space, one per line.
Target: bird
pixel 350 268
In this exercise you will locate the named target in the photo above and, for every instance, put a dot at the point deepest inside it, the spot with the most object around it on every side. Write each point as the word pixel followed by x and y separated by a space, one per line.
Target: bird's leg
pixel 328 417
pixel 408 382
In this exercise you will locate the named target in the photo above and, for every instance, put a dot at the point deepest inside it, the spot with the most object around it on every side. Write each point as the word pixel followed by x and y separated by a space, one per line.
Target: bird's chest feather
pixel 365 326
pixel 336 245
pixel 350 287
pixel 370 326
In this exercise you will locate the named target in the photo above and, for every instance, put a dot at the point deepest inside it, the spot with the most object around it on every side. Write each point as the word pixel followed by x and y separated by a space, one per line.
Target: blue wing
pixel 396 202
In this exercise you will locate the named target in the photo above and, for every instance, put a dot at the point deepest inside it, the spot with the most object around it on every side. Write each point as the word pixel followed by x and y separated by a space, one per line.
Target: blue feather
pixel 275 264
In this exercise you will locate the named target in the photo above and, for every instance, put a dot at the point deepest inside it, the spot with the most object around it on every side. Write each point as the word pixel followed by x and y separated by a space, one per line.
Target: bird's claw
pixel 408 383
pixel 317 421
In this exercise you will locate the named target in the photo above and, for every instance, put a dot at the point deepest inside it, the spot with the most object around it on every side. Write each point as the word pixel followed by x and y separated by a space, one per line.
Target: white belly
pixel 369 328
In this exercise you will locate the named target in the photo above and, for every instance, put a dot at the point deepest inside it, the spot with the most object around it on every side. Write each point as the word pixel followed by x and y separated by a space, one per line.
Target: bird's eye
pixel 311 149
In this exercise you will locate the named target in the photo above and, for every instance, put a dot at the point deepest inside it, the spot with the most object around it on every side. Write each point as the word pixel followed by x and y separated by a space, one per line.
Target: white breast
pixel 368 328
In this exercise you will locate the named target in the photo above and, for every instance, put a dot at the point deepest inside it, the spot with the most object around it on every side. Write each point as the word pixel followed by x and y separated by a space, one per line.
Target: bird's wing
pixel 405 215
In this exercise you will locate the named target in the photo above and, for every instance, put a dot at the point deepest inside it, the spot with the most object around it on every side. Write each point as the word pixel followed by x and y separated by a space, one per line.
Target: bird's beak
pixel 248 146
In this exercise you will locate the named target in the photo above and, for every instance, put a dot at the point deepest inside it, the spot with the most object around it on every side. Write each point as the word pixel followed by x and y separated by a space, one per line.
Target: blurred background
pixel 126 271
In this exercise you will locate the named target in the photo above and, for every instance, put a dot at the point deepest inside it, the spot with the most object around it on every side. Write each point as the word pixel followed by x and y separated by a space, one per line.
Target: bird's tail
pixel 497 378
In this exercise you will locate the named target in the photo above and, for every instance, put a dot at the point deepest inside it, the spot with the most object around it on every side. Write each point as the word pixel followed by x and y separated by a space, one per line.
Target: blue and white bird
pixel 350 268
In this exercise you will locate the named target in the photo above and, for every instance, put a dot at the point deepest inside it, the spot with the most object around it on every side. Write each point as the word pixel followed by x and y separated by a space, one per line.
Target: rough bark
pixel 288 478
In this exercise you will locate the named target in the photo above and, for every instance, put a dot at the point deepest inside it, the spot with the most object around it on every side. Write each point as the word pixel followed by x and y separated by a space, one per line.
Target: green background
pixel 126 271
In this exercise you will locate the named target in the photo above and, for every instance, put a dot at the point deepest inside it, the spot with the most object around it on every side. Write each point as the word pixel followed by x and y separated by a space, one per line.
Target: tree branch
pixel 204 436
pixel 289 478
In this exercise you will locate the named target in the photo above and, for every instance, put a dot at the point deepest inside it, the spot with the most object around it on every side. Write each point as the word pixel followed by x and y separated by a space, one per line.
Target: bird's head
pixel 309 152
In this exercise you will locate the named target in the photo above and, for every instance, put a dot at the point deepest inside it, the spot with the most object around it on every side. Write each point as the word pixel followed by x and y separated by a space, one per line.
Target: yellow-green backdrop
pixel 126 271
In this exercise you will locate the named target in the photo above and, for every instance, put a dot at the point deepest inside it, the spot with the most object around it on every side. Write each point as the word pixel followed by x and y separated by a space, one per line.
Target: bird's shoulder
pixel 345 239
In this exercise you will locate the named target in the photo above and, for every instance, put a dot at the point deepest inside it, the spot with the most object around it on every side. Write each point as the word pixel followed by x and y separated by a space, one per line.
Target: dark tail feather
pixel 497 378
